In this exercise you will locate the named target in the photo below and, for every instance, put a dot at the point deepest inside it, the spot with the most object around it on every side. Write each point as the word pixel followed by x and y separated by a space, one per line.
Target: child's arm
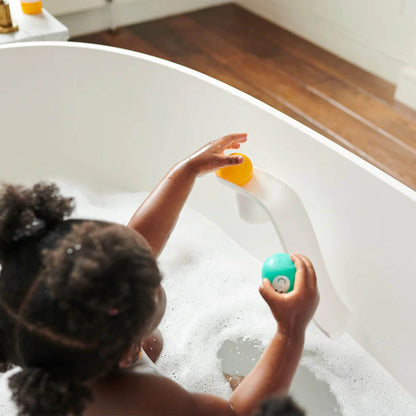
pixel 273 373
pixel 157 216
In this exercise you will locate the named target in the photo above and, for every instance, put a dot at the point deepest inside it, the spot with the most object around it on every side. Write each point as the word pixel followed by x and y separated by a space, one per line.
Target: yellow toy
pixel 31 6
pixel 238 174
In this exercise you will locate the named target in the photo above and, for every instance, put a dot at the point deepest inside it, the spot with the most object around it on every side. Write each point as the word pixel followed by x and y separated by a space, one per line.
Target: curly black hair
pixel 74 294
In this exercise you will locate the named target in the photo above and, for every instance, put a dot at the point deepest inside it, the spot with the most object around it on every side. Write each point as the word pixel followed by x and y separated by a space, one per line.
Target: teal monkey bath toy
pixel 280 270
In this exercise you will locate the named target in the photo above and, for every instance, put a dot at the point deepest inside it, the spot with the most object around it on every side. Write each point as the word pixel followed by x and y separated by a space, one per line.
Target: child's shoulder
pixel 135 393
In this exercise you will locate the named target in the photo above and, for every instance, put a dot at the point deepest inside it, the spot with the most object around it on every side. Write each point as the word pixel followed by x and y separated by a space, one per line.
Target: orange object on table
pixel 31 6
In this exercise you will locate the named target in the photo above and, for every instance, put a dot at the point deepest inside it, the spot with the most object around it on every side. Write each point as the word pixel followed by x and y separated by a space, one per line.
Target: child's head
pixel 74 296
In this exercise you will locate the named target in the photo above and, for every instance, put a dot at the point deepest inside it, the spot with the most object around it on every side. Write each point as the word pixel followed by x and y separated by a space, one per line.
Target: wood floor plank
pixel 378 115
pixel 166 40
pixel 125 38
pixel 95 38
pixel 404 109
pixel 258 27
pixel 239 19
pixel 122 38
pixel 363 106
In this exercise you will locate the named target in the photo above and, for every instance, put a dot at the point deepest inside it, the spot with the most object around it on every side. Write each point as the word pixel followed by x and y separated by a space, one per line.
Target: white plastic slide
pixel 266 196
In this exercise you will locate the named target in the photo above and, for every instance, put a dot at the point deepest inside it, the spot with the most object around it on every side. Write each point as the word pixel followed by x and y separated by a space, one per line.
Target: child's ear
pixel 124 363
pixel 127 359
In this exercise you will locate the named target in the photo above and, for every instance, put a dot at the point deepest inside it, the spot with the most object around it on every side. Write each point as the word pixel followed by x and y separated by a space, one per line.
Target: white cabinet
pixel 88 16
pixel 62 7
pixel 37 27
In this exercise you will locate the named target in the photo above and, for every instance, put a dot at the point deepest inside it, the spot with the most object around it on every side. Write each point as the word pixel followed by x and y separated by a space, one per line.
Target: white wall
pixel 406 85
pixel 377 35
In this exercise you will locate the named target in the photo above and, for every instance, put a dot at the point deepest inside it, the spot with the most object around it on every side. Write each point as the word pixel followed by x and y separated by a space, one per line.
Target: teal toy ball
pixel 280 270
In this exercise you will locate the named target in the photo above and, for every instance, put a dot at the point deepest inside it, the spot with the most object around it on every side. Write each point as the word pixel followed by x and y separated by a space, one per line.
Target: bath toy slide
pixel 264 197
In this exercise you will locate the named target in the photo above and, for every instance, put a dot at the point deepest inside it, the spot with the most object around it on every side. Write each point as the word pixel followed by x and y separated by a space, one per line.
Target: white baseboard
pixel 126 12
pixel 330 36
pixel 89 21
pixel 406 87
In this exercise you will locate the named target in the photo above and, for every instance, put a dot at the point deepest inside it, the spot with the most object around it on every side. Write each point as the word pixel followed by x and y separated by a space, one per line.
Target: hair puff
pixel 24 212
pixel 100 275
pixel 38 392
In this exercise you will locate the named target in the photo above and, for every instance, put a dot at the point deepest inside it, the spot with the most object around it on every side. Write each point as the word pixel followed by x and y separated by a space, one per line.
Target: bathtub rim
pixel 357 160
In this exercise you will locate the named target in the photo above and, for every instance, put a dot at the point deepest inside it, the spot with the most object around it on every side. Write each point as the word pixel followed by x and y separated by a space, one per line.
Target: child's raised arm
pixel 157 216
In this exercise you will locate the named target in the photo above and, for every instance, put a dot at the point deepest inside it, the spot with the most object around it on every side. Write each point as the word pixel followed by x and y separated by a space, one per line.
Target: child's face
pixel 159 297
pixel 160 302
pixel 159 294
pixel 133 353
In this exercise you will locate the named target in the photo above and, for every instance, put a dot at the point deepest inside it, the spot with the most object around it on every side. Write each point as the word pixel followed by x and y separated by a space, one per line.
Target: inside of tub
pixel 224 324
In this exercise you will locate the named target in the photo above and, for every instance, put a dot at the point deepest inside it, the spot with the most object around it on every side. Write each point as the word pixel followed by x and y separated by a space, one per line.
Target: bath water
pixel 216 321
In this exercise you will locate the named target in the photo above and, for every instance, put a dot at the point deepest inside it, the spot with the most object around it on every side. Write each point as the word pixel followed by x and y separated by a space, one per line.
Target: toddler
pixel 80 302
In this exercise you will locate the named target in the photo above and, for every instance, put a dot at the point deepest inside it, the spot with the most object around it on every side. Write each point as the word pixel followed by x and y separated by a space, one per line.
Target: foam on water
pixel 213 302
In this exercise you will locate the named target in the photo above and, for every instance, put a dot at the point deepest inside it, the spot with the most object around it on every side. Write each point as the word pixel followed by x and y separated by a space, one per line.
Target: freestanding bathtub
pixel 116 120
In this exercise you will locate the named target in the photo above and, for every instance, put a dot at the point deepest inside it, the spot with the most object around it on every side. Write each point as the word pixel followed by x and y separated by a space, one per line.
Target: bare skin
pixel 156 217
pixel 128 393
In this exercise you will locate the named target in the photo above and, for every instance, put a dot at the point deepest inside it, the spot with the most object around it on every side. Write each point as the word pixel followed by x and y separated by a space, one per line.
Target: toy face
pixel 281 284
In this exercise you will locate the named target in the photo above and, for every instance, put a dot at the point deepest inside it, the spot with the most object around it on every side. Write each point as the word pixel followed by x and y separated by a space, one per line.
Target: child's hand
pixel 295 309
pixel 211 156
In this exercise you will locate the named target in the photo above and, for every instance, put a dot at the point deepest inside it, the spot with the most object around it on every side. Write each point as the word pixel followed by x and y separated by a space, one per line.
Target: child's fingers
pixel 268 293
pixel 226 160
pixel 311 275
pixel 301 271
pixel 266 290
pixel 234 146
pixel 226 141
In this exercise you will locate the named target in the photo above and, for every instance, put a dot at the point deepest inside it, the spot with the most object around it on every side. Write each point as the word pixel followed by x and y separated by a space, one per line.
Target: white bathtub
pixel 116 120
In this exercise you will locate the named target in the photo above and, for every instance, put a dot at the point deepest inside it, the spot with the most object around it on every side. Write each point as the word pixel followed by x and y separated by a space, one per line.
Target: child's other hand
pixel 211 157
pixel 295 309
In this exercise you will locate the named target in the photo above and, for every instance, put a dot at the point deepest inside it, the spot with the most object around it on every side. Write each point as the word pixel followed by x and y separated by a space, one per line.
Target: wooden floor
pixel 339 100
